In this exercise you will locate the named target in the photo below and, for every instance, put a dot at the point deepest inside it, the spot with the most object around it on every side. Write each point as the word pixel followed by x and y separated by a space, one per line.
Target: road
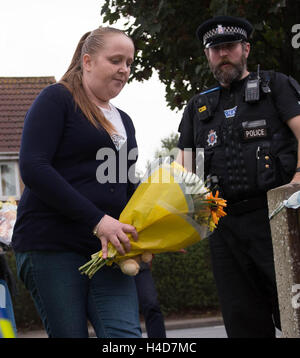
pixel 201 332
pixel 197 332
pixel 210 331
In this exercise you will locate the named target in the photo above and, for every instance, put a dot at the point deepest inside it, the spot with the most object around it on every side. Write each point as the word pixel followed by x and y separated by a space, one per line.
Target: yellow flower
pixel 212 225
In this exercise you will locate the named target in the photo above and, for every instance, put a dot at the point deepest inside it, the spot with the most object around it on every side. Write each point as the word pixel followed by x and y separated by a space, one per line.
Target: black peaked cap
pixel 224 29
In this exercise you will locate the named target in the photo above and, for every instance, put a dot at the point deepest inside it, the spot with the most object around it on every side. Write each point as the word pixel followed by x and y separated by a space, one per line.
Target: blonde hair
pixel 90 43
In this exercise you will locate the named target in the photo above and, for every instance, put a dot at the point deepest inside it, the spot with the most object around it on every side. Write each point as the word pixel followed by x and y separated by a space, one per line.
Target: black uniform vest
pixel 250 153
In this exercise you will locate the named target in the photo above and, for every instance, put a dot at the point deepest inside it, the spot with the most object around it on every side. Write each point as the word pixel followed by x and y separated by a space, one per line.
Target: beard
pixel 232 72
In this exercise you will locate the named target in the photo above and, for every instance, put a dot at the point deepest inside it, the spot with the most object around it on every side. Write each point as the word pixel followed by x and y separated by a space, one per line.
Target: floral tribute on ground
pixel 171 209
pixel 8 213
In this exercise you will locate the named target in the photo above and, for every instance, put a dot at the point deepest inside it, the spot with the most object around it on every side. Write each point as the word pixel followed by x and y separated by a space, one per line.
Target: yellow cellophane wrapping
pixel 158 211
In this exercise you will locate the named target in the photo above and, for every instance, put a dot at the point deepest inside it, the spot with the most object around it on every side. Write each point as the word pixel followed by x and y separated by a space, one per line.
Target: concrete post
pixel 285 228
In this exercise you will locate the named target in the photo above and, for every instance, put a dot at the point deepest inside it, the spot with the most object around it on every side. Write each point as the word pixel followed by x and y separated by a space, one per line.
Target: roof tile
pixel 16 96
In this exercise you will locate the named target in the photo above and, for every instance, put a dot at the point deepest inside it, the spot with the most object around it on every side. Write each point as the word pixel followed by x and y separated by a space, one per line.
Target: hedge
pixel 184 282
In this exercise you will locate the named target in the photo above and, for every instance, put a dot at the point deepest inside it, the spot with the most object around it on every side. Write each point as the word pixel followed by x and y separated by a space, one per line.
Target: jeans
pixel 66 299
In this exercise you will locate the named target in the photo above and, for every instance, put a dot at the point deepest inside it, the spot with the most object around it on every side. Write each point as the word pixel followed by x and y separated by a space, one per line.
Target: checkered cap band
pixel 226 30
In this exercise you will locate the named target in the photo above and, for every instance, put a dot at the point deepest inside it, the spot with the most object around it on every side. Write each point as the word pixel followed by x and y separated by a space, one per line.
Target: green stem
pixel 91 267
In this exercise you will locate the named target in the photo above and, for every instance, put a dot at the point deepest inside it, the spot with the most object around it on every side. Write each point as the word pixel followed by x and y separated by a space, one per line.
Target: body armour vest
pixel 251 150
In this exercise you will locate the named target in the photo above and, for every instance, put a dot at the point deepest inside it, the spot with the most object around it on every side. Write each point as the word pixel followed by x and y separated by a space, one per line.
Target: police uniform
pixel 248 150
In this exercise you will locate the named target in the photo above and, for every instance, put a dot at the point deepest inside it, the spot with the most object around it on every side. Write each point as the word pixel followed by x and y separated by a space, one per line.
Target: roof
pixel 16 96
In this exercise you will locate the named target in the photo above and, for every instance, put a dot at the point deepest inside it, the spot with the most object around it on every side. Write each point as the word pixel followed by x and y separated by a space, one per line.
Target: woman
pixel 65 204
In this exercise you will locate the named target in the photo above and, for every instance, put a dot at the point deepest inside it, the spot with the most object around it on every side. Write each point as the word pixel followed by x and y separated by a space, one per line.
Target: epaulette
pixel 207 102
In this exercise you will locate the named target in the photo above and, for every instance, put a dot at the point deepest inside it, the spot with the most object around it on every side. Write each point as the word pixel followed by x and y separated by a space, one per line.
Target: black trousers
pixel 149 305
pixel 243 266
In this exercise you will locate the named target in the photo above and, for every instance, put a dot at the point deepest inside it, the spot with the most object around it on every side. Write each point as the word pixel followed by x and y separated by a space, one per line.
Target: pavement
pixel 171 324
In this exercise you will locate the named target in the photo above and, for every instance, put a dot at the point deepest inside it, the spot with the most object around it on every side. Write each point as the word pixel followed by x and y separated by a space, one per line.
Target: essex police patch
pixel 212 138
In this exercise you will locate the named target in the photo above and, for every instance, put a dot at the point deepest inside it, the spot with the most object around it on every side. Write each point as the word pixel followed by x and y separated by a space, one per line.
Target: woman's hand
pixel 112 230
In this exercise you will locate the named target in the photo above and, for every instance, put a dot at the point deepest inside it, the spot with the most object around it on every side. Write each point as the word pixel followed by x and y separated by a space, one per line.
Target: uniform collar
pixel 235 85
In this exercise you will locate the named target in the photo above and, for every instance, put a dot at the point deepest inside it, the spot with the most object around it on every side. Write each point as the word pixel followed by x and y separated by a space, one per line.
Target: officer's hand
pixel 296 178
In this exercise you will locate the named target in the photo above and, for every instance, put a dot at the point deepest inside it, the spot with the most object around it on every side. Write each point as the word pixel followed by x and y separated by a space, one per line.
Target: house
pixel 16 96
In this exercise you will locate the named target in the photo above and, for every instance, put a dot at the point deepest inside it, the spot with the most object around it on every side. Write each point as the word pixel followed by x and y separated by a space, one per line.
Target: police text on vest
pixel 255 133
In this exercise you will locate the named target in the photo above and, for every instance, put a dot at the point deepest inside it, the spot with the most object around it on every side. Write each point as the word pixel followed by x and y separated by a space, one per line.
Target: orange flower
pixel 216 206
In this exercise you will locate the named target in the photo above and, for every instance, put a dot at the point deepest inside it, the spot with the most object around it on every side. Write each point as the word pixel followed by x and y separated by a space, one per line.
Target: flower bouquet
pixel 171 209
pixel 8 213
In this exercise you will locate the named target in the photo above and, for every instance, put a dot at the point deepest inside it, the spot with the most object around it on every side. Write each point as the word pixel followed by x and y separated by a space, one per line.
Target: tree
pixel 164 36
pixel 168 144
pixel 168 148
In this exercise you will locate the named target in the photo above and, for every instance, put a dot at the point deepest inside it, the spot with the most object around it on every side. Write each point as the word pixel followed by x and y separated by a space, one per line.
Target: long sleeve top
pixel 63 166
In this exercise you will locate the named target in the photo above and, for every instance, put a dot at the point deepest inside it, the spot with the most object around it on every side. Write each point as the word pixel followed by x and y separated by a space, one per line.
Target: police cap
pixel 224 29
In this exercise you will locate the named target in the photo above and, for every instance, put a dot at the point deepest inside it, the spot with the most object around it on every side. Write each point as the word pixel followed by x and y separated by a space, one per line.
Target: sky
pixel 38 38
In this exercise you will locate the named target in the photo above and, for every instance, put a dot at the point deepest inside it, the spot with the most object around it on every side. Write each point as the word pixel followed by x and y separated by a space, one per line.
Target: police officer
pixel 249 127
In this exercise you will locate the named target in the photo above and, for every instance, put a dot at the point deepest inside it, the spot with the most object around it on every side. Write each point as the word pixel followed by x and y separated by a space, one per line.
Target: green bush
pixel 184 281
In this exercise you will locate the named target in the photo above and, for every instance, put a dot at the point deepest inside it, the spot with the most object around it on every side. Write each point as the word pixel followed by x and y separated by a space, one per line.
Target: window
pixel 9 180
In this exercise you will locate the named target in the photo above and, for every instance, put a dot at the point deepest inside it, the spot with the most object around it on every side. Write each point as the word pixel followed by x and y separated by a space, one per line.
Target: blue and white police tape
pixel 7 319
pixel 293 202
pixel 6 327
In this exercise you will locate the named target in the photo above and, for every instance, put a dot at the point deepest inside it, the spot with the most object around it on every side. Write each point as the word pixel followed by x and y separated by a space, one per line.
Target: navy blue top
pixel 63 200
